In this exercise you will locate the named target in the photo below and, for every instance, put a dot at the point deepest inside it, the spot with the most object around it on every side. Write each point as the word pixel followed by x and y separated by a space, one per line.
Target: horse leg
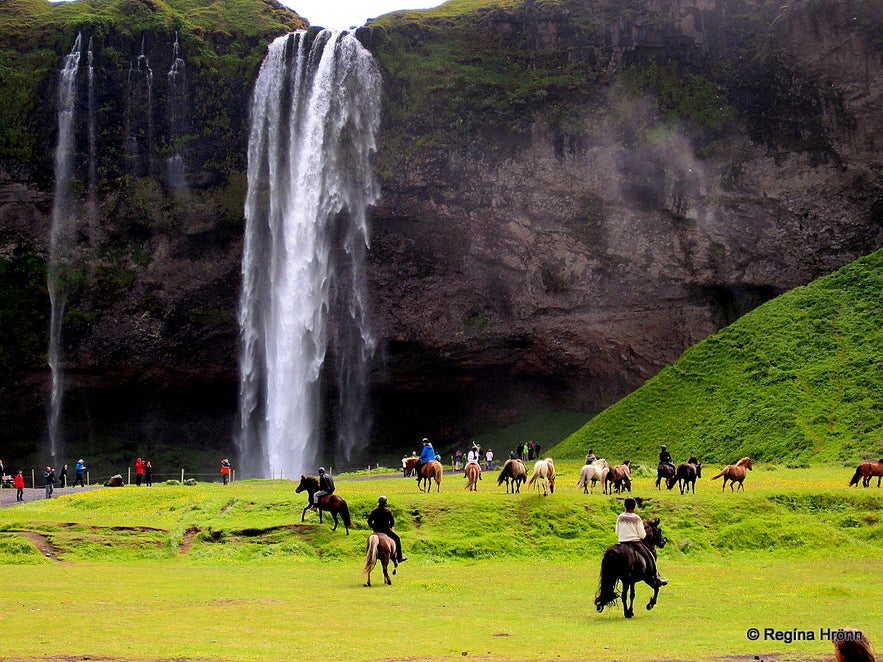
pixel 652 602
pixel 334 515
pixel 628 599
pixel 304 513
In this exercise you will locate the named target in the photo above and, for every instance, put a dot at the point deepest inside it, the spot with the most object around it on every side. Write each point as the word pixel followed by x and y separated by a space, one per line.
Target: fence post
pixel 88 480
pixel 232 475
pixel 182 476
pixel 129 476
pixel 33 480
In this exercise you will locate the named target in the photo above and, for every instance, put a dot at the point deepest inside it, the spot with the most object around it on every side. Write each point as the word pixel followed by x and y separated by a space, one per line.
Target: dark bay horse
pixel 622 564
pixel 619 478
pixel 686 475
pixel 515 472
pixel 330 503
pixel 380 546
pixel 735 473
pixel 865 471
pixel 473 473
pixel 663 472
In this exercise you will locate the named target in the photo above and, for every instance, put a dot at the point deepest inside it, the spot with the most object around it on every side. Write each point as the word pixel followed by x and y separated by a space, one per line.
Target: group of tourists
pixel 474 456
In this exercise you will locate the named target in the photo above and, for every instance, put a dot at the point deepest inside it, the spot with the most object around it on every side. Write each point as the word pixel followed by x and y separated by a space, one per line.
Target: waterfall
pixel 91 203
pixel 61 234
pixel 177 79
pixel 315 112
pixel 139 114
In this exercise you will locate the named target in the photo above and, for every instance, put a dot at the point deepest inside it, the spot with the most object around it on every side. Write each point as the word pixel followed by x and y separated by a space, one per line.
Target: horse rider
pixel 326 487
pixel 630 530
pixel 590 457
pixel 472 457
pixel 665 457
pixel 381 521
pixel 426 455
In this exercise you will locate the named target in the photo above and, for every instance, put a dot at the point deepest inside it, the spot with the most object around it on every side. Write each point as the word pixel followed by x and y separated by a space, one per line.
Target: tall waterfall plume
pixel 139 115
pixel 177 98
pixel 61 234
pixel 91 198
pixel 303 312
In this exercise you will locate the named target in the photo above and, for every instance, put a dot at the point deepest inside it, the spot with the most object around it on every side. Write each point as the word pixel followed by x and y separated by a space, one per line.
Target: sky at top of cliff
pixel 344 14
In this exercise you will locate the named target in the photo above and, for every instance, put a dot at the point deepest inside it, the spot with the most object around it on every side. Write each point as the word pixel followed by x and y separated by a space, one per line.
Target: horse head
pixel 654 532
pixel 747 463
pixel 306 482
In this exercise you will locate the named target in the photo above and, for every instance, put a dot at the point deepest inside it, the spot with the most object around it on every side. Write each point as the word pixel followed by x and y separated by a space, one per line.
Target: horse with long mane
pixel 473 474
pixel 686 475
pixel 622 564
pixel 619 478
pixel 543 475
pixel 380 546
pixel 865 471
pixel 330 503
pixel 735 473
pixel 515 472
pixel 663 472
pixel 592 473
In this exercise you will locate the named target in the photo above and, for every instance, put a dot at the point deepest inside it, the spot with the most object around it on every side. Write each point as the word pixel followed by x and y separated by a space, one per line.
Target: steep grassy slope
pixel 797 380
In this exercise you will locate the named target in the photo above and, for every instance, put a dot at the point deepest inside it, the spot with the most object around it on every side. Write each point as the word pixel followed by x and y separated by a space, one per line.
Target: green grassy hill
pixel 797 380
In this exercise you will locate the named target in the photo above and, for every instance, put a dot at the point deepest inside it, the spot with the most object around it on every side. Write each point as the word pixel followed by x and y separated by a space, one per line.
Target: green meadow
pixel 230 573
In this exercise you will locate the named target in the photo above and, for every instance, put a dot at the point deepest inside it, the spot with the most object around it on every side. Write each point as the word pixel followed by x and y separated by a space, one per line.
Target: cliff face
pixel 572 195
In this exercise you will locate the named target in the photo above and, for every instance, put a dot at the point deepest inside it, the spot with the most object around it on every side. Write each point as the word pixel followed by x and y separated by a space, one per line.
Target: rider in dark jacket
pixel 665 456
pixel 326 486
pixel 381 521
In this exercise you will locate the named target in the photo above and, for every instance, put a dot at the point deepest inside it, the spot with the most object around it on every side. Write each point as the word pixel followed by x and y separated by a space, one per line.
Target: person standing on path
pixel 148 473
pixel 79 472
pixel 139 471
pixel 225 471
pixel 49 477
pixel 19 486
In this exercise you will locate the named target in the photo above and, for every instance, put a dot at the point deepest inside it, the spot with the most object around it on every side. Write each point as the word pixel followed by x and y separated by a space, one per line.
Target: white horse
pixel 592 473
pixel 543 474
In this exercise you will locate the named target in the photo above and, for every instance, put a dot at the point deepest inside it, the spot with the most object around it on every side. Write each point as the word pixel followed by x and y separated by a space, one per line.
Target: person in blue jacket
pixel 79 471
pixel 427 454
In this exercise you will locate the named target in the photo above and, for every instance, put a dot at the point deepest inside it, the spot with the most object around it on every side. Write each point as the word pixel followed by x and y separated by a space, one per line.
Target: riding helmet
pixel 321 470
pixel 381 501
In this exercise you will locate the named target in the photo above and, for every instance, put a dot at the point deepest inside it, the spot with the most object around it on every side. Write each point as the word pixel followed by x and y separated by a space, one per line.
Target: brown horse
pixel 430 470
pixel 619 478
pixel 380 546
pixel 330 502
pixel 686 475
pixel 663 472
pixel 473 474
pixel 515 472
pixel 735 473
pixel 865 471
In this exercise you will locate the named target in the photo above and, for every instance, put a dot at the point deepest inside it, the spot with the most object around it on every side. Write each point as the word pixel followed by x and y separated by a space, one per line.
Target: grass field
pixel 208 572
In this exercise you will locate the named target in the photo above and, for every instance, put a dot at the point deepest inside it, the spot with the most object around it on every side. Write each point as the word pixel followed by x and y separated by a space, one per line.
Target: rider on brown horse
pixel 381 521
pixel 426 455
pixel 326 487
pixel 630 529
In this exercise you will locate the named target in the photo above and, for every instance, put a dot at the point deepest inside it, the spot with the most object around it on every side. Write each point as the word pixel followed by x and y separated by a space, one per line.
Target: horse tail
pixel 606 593
pixel 856 476
pixel 533 478
pixel 345 514
pixel 722 473
pixel 504 474
pixel 371 552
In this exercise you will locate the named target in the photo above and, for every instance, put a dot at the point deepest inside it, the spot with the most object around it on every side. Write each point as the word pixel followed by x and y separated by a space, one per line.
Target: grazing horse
pixel 543 474
pixel 330 502
pixel 473 474
pixel 514 471
pixel 866 470
pixel 430 470
pixel 619 478
pixel 621 563
pixel 592 473
pixel 380 546
pixel 735 473
pixel 663 472
pixel 686 475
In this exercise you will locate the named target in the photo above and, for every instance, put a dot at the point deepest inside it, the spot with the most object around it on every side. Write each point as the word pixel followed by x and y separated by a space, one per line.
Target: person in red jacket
pixel 139 471
pixel 19 487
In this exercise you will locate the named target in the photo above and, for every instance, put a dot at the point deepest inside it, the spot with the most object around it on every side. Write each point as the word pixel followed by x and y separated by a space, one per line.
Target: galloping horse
pixel 621 563
pixel 663 472
pixel 473 473
pixel 330 502
pixel 686 475
pixel 735 473
pixel 619 478
pixel 514 471
pixel 430 470
pixel 380 546
pixel 866 470
pixel 543 474
pixel 592 473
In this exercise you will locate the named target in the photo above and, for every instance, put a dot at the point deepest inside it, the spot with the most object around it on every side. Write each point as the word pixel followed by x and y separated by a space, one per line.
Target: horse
pixel 543 474
pixel 619 478
pixel 430 470
pixel 380 546
pixel 410 467
pixel 686 475
pixel 473 474
pixel 621 563
pixel 866 470
pixel 515 471
pixel 735 473
pixel 330 502
pixel 592 473
pixel 663 472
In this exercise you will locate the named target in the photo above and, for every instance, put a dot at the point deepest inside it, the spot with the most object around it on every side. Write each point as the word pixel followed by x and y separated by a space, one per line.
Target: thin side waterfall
pixel 315 114
pixel 91 204
pixel 139 114
pixel 177 79
pixel 61 235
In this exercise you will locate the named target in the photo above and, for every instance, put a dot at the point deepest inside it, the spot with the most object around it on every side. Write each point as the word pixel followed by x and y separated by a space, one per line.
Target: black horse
pixel 686 475
pixel 330 502
pixel 621 563
pixel 663 472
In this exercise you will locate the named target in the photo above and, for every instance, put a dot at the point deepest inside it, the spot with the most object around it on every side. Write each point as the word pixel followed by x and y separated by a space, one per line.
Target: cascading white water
pixel 315 114
pixel 177 79
pixel 91 200
pixel 61 234
pixel 139 115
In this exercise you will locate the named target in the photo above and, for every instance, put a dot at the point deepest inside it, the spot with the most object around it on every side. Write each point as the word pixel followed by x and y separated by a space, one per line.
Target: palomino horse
pixel 543 474
pixel 619 478
pixel 473 474
pixel 686 475
pixel 380 546
pixel 592 473
pixel 622 563
pixel 430 470
pixel 330 502
pixel 866 470
pixel 663 472
pixel 735 473
pixel 515 472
